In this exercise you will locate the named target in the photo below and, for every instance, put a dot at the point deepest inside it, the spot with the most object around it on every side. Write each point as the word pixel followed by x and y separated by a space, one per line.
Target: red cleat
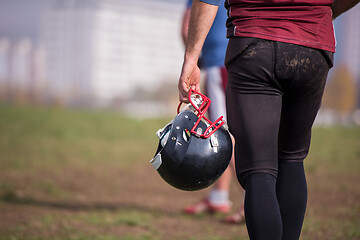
pixel 206 206
pixel 237 217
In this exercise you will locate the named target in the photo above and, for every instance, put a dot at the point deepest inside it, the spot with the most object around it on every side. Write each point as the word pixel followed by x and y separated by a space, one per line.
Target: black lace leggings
pixel 273 94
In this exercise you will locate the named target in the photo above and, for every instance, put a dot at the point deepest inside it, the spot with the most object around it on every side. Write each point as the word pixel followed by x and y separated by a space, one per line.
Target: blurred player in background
pixel 212 64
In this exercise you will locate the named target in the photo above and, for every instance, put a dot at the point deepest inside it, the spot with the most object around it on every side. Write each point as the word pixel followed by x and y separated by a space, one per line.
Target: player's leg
pixel 291 192
pixel 256 154
pixel 238 216
pixel 254 110
pixel 215 82
pixel 217 199
pixel 215 85
pixel 301 101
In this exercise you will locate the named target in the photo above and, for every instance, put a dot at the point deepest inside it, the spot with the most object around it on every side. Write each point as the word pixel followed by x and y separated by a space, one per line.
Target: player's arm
pixel 340 6
pixel 202 16
pixel 185 24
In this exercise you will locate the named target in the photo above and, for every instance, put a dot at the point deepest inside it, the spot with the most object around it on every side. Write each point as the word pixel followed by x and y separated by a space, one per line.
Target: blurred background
pixel 91 53
pixel 127 55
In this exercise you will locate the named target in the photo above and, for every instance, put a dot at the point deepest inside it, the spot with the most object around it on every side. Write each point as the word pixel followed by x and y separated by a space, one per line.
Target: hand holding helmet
pixel 189 79
pixel 193 152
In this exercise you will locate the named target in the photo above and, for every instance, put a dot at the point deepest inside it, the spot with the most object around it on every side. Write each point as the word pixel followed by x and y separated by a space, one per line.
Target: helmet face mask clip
pixel 193 152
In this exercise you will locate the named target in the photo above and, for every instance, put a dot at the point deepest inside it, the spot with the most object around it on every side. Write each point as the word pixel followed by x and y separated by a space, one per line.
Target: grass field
pixel 77 174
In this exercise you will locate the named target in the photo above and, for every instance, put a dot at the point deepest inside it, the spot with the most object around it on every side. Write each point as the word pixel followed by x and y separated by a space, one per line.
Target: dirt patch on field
pixel 112 203
pixel 97 202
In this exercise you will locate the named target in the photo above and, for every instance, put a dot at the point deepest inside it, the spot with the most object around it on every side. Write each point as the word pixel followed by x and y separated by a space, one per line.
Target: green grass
pixel 83 174
pixel 336 149
pixel 37 136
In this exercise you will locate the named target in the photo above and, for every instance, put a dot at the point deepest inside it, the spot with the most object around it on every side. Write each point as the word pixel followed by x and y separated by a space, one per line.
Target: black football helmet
pixel 193 152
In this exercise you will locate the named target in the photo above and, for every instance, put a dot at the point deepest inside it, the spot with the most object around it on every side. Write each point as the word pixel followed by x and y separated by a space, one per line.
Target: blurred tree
pixel 340 92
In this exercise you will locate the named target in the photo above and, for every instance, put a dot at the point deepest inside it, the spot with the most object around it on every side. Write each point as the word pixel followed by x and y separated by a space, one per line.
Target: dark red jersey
pixel 303 22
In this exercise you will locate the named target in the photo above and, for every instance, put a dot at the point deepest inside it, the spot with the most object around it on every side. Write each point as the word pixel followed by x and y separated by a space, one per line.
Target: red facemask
pixel 199 105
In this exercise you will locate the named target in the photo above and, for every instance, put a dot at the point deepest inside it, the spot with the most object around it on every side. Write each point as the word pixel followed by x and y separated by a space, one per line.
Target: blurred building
pixel 109 49
pixel 4 66
pixel 22 70
pixel 88 51
pixel 347 29
pixel 4 60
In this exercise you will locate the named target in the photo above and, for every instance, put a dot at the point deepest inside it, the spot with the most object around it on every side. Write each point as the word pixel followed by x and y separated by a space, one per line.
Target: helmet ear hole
pixel 186 135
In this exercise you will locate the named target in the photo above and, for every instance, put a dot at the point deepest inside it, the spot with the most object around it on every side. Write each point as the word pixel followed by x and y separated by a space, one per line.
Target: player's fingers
pixel 197 88
pixel 183 91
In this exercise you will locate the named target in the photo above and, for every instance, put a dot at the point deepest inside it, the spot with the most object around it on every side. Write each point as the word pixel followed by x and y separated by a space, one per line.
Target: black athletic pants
pixel 273 94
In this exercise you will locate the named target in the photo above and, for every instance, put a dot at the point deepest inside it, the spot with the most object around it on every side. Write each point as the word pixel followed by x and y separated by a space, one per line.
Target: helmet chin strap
pixel 199 104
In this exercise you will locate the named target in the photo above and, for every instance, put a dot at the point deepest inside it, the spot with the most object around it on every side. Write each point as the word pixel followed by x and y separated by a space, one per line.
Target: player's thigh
pixel 254 122
pixel 254 109
pixel 301 100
